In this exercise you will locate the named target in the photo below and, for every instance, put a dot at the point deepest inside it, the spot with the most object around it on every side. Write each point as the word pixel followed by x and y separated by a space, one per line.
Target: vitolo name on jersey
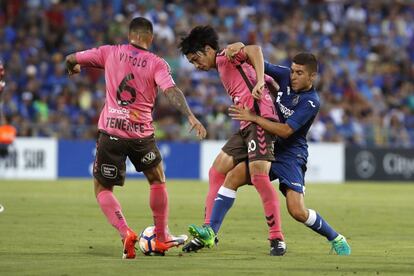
pixel 285 111
pixel 135 61
pixel 124 125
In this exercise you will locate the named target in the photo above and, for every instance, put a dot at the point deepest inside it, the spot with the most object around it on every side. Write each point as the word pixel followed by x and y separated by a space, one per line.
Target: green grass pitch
pixel 56 228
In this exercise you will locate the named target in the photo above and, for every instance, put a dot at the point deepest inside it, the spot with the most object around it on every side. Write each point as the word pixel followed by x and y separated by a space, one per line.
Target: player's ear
pixel 313 76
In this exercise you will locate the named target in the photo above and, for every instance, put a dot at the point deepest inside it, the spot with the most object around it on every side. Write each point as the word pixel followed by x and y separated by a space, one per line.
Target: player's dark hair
pixel 307 59
pixel 198 38
pixel 140 24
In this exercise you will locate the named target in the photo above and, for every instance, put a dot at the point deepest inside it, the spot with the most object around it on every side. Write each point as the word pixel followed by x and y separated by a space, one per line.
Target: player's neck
pixel 141 46
pixel 307 89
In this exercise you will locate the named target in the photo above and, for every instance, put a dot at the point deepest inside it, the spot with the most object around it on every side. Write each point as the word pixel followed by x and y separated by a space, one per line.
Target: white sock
pixel 311 218
pixel 227 192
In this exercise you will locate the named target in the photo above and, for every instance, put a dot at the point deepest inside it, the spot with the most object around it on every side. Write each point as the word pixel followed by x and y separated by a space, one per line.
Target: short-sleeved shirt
pixel 238 89
pixel 298 110
pixel 132 75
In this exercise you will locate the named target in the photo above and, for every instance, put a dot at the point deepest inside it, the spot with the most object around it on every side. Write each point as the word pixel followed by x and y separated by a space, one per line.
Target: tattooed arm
pixel 177 99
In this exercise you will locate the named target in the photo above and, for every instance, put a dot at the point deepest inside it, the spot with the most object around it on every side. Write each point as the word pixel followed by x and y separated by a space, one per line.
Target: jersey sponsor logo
pixel 148 158
pixel 109 171
pixel 285 111
pixel 122 111
pixel 113 138
pixel 311 103
pixel 123 124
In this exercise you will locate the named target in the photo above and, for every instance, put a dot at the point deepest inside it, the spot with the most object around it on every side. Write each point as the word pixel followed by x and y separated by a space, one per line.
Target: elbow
pixel 286 133
pixel 256 48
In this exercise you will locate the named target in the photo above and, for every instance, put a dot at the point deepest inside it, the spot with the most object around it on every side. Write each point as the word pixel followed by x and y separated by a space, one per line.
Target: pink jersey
pixel 237 88
pixel 132 75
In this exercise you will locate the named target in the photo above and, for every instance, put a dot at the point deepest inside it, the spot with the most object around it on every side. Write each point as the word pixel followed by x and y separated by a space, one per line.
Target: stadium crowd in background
pixel 366 55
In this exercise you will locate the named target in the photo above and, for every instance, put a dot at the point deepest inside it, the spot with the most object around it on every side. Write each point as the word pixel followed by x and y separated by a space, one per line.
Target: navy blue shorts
pixel 291 175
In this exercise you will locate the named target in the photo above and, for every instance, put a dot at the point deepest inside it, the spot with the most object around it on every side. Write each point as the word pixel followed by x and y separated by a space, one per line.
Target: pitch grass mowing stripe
pixel 56 228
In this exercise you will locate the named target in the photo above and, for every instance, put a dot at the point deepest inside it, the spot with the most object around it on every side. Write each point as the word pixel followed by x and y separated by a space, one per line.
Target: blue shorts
pixel 291 175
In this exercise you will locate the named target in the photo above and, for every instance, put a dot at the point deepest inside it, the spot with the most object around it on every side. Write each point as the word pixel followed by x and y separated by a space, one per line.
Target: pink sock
pixel 159 207
pixel 112 210
pixel 215 180
pixel 271 206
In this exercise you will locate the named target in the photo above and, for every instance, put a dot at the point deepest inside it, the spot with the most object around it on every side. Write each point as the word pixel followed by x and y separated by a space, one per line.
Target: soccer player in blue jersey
pixel 297 104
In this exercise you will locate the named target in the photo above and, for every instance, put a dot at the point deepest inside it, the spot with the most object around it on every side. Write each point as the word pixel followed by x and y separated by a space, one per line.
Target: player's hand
pixel 199 128
pixel 240 113
pixel 232 49
pixel 74 70
pixel 258 90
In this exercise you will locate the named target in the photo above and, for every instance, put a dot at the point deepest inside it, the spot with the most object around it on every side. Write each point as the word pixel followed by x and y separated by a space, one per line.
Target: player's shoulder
pixel 222 60
pixel 311 98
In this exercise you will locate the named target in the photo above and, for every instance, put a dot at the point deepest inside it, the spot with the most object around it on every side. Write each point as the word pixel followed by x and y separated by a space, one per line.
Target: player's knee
pixel 233 182
pixel 259 167
pixel 155 174
pixel 98 187
pixel 223 163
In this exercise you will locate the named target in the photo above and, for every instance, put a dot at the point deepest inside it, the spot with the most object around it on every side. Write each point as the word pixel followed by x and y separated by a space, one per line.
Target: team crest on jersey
pixel 295 100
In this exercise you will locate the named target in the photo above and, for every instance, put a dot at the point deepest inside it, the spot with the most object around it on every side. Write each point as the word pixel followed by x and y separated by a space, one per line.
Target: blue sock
pixel 320 226
pixel 222 204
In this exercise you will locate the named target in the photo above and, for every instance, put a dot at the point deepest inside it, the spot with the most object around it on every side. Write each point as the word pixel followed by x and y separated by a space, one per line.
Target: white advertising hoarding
pixel 209 151
pixel 325 162
pixel 30 158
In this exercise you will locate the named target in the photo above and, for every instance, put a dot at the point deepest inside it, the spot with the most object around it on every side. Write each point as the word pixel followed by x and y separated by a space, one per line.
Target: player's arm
pixel 255 58
pixel 95 57
pixel 244 114
pixel 177 99
pixel 277 72
pixel 72 65
pixel 253 55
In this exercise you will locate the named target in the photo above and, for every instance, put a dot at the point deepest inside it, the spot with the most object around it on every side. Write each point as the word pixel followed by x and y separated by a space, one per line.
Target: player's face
pixel 301 78
pixel 202 60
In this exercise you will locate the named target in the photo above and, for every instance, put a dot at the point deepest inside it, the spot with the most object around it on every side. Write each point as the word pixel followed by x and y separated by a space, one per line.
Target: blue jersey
pixel 298 110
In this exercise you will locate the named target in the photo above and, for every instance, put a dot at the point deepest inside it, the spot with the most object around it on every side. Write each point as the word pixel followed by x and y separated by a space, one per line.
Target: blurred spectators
pixel 365 49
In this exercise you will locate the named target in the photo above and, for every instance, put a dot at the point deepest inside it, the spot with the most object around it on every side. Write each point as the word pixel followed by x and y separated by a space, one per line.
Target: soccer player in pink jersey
pixel 132 75
pixel 251 142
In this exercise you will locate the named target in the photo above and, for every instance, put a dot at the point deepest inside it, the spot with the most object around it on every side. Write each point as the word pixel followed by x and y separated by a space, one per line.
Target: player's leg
pixel 205 235
pixel 216 176
pixel 296 207
pixel 109 170
pixel 259 171
pixel 146 157
pixel 233 152
pixel 260 154
pixel 291 174
pixel 226 195
pixel 159 206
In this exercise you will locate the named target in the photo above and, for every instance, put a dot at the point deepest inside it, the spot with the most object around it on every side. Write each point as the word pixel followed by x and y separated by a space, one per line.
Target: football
pixel 147 241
